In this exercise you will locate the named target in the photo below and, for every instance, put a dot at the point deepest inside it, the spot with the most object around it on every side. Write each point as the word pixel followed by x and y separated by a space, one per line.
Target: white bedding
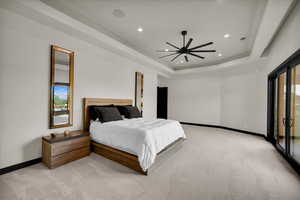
pixel 144 138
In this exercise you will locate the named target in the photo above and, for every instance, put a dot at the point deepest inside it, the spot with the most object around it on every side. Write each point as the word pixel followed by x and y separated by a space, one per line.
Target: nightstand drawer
pixel 70 142
pixel 70 156
pixel 64 147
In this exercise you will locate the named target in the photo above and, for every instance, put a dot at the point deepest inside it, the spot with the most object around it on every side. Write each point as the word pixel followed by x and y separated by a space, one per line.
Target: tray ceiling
pixel 163 20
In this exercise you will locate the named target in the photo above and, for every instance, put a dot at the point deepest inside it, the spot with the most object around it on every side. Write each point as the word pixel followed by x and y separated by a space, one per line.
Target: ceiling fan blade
pixel 203 51
pixel 189 42
pixel 168 55
pixel 175 57
pixel 166 51
pixel 196 55
pixel 172 45
pixel 186 58
pixel 203 45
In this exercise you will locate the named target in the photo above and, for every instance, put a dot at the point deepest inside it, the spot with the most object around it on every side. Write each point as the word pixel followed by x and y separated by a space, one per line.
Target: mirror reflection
pixel 62 67
pixel 139 88
pixel 61 110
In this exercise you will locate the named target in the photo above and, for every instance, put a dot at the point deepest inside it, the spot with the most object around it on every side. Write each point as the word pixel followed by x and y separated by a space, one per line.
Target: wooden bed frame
pixel 122 157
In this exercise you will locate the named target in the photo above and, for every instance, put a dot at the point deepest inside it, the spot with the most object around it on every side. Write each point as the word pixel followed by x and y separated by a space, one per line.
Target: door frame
pixel 286 66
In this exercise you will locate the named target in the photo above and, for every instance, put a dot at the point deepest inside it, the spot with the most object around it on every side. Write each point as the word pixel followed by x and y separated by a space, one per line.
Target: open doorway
pixel 162 102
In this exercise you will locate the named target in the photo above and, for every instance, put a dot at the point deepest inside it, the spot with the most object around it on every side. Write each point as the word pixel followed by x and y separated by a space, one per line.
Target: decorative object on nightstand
pixel 66 133
pixel 65 147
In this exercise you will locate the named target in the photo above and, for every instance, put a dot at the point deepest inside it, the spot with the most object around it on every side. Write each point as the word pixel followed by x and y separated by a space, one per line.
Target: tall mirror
pixel 61 87
pixel 139 89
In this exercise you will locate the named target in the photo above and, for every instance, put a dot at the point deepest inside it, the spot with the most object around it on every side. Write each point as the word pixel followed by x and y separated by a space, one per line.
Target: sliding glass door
pixel 284 110
pixel 294 138
pixel 281 110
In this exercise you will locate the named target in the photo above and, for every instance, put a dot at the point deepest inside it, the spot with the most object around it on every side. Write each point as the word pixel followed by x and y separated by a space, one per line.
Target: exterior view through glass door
pixel 281 120
pixel 295 114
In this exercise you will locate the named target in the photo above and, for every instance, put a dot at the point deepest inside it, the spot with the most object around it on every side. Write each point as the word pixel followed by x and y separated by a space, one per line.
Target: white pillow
pixel 97 120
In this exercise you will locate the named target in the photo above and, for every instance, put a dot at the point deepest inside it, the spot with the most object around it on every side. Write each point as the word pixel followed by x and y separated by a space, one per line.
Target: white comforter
pixel 144 138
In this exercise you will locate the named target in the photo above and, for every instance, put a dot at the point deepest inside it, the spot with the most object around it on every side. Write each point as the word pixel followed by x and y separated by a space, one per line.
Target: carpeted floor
pixel 213 164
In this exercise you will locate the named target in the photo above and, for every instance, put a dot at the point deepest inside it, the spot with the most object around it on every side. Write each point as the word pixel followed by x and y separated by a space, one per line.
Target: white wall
pixel 195 100
pixel 233 97
pixel 243 97
pixel 24 83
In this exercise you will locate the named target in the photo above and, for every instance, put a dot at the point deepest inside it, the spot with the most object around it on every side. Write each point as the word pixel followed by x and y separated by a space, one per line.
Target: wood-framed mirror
pixel 139 91
pixel 61 87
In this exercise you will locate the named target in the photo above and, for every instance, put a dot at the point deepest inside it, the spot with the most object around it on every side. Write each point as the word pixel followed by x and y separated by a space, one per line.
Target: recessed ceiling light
pixel 226 35
pixel 166 49
pixel 181 61
pixel 140 29
pixel 219 54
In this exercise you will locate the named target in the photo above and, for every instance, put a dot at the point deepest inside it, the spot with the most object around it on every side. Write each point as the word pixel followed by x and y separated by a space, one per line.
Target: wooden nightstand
pixel 63 149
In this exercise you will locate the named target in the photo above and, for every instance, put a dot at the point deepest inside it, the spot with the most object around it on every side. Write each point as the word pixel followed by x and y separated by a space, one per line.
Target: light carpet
pixel 213 164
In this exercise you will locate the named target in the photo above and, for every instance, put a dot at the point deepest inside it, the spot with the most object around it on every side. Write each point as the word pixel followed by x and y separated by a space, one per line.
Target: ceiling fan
pixel 185 49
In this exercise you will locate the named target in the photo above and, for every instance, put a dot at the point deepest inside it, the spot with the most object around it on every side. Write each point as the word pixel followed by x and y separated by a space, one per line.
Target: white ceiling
pixel 163 20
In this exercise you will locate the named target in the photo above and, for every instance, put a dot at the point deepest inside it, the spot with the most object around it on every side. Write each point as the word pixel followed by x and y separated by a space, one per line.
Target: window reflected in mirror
pixel 61 109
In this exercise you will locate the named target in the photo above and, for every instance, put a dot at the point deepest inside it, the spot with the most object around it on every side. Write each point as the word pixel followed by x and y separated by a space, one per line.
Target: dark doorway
pixel 162 102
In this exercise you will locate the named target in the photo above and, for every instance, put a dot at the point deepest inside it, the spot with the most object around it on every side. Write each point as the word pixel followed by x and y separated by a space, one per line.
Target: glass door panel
pixel 284 109
pixel 275 109
pixel 281 119
pixel 295 114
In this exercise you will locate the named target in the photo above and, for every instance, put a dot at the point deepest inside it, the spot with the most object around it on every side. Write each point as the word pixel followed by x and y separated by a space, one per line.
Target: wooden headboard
pixel 94 102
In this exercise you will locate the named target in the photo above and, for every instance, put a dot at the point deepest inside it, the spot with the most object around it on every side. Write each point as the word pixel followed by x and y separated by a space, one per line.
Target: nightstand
pixel 63 149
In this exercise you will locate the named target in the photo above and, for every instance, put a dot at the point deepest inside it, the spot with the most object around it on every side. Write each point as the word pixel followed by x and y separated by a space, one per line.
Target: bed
pixel 136 143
